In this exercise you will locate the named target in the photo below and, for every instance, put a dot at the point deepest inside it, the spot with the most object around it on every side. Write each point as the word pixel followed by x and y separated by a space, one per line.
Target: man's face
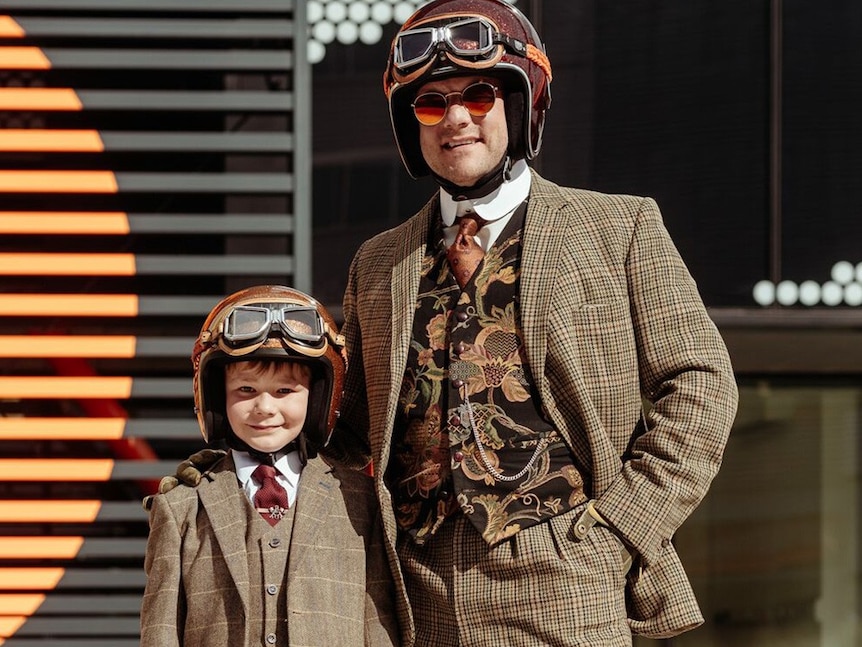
pixel 463 148
pixel 266 406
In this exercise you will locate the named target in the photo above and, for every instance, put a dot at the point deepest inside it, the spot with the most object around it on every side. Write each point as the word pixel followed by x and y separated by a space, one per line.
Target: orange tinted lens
pixel 479 98
pixel 429 108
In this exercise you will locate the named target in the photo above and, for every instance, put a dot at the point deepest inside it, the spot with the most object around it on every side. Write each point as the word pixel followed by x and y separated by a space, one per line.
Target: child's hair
pixel 297 370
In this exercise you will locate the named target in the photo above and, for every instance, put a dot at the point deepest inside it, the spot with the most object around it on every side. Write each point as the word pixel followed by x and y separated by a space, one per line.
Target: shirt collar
pixel 288 465
pixel 500 202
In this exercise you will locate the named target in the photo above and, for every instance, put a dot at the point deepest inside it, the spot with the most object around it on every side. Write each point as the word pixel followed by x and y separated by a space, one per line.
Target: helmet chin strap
pixel 486 184
pixel 269 458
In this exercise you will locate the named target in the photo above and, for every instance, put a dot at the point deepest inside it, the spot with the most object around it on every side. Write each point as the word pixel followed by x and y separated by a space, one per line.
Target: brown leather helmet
pixel 469 37
pixel 262 323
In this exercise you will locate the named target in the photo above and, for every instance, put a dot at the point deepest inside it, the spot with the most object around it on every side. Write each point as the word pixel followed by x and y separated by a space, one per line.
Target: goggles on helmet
pixel 471 42
pixel 247 327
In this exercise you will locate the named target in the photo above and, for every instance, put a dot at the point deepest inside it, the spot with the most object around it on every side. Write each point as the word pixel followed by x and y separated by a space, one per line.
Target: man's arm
pixel 685 372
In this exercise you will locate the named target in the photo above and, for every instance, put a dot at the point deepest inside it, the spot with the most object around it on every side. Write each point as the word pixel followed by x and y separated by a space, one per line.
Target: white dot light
pixel 370 33
pixel 843 272
pixel 324 32
pixel 358 12
pixel 336 12
pixel 314 11
pixel 402 11
pixel 381 13
pixel 316 51
pixel 786 293
pixel 809 293
pixel 764 293
pixel 347 33
pixel 853 294
pixel 832 293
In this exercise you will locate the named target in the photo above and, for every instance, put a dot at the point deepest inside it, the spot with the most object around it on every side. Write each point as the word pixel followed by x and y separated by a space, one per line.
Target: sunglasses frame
pixel 447 102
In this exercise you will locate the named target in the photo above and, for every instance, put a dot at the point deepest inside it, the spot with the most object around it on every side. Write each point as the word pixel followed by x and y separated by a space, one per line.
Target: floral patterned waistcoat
pixel 469 434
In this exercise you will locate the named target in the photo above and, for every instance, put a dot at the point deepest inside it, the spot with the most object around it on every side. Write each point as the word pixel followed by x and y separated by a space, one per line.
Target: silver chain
pixel 486 463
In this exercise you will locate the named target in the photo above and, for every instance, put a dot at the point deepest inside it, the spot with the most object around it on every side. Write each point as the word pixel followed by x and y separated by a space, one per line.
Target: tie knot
pixel 263 473
pixel 470 223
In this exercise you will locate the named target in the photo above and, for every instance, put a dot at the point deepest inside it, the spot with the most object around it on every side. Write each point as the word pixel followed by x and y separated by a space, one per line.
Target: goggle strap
pixel 539 57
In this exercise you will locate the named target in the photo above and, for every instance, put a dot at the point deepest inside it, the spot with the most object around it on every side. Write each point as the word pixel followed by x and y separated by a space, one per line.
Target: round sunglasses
pixel 477 98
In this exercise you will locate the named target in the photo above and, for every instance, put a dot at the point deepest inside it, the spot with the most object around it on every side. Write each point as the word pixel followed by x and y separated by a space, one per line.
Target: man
pixel 542 394
pixel 519 474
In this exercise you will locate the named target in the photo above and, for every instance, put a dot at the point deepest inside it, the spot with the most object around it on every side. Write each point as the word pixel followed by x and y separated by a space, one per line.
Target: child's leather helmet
pixel 262 323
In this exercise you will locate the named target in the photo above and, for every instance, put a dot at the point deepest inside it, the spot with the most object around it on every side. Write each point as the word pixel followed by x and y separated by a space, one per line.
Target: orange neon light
pixel 13 604
pixel 57 181
pixel 67 264
pixel 61 512
pixel 63 222
pixel 56 469
pixel 61 429
pixel 23 58
pixel 38 140
pixel 39 99
pixel 40 547
pixel 9 625
pixel 10 29
pixel 67 346
pixel 65 387
pixel 70 305
pixel 30 579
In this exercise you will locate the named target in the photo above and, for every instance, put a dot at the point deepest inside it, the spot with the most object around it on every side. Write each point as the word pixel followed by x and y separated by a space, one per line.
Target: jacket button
pixel 457 383
pixel 275 542
pixel 270 638
pixel 272 589
pixel 455 421
pixel 459 456
pixel 461 348
pixel 462 316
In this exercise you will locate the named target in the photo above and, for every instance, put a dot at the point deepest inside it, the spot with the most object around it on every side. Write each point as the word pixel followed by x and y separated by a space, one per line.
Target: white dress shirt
pixel 495 208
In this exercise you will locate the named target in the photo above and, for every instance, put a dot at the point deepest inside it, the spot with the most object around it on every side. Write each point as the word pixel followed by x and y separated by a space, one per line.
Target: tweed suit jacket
pixel 339 586
pixel 610 314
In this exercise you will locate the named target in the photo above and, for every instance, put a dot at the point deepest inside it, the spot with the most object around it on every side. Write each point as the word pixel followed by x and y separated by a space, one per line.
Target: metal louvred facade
pixel 154 156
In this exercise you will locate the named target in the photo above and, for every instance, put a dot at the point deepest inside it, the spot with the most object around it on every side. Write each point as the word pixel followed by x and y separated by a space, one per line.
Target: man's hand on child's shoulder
pixel 188 472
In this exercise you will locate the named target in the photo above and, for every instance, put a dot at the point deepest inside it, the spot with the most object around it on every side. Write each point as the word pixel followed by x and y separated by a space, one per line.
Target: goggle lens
pixel 472 38
pixel 478 99
pixel 247 325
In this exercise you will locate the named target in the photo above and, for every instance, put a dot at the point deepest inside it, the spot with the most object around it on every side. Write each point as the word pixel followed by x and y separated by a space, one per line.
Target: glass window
pixel 773 551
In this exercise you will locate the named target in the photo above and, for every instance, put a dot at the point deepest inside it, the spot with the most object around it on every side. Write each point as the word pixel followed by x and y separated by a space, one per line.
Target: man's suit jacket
pixel 339 584
pixel 609 313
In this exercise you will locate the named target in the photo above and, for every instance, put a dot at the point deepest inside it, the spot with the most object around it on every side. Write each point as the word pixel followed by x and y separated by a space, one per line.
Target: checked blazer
pixel 610 316
pixel 339 584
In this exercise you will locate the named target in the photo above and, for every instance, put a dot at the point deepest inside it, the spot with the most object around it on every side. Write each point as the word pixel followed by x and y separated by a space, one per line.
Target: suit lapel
pixel 223 501
pixel 406 269
pixel 540 251
pixel 315 495
pixel 549 220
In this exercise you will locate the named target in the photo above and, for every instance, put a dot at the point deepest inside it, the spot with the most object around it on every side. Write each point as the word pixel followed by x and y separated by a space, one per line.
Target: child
pixel 275 546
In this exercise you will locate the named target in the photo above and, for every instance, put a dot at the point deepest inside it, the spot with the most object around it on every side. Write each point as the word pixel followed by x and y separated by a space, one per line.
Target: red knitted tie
pixel 465 254
pixel 271 499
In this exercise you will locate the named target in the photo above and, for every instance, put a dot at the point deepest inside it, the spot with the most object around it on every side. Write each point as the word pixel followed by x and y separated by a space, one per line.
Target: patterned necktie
pixel 465 254
pixel 271 499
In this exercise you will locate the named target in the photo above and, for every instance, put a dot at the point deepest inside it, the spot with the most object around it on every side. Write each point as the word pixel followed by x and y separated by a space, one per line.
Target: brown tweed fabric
pixel 198 590
pixel 609 313
pixel 494 594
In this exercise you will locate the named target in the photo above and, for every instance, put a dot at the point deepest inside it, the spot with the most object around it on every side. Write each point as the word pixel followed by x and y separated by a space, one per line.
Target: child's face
pixel 266 403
